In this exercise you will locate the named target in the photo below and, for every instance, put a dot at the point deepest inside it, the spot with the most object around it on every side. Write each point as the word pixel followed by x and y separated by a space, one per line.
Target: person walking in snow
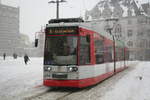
pixel 26 59
pixel 4 56
pixel 14 55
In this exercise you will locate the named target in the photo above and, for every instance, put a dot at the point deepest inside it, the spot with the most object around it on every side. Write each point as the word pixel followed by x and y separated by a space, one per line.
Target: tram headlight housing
pixel 47 68
pixel 72 69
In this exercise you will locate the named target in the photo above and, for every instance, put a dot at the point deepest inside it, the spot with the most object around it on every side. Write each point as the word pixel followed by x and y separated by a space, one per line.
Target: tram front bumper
pixel 62 83
pixel 70 83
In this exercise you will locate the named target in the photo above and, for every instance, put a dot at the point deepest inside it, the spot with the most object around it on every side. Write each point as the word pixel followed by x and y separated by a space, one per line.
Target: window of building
pixel 129 22
pixel 140 34
pixel 129 12
pixel 130 43
pixel 146 43
pixel 130 33
pixel 118 29
pixel 142 20
pixel 149 44
pixel 148 21
pixel 148 32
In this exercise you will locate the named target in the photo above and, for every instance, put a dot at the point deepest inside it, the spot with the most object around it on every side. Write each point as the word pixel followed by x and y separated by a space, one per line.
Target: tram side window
pixel 127 54
pixel 108 54
pixel 84 50
pixel 99 51
pixel 122 54
pixel 119 54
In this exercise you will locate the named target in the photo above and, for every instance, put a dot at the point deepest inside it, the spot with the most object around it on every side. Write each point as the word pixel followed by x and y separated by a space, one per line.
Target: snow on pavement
pixel 126 85
pixel 17 79
pixel 133 86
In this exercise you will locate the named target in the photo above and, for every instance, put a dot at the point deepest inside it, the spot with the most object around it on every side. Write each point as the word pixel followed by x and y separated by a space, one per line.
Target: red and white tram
pixel 76 56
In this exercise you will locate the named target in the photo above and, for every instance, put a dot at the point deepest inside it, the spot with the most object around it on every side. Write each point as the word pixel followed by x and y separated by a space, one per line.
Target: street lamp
pixel 57 5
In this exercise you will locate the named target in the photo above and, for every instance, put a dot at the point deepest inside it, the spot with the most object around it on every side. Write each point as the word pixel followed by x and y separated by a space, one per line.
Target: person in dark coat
pixel 15 56
pixel 26 59
pixel 4 56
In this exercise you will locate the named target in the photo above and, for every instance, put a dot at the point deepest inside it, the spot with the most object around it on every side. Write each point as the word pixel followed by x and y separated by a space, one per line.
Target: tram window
pixel 119 54
pixel 122 54
pixel 99 51
pixel 84 50
pixel 127 55
pixel 108 54
pixel 61 50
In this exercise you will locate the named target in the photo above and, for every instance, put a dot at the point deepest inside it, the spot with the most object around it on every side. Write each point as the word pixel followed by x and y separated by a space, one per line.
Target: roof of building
pixel 115 8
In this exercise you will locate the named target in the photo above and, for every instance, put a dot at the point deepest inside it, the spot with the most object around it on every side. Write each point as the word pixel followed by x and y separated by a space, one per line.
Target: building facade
pixel 132 26
pixel 9 29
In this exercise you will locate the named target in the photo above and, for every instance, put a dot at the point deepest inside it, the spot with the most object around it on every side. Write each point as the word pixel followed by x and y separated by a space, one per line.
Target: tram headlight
pixel 47 68
pixel 72 69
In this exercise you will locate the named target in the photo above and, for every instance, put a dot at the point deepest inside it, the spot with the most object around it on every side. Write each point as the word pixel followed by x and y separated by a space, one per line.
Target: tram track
pixel 36 95
pixel 53 94
pixel 57 93
pixel 76 91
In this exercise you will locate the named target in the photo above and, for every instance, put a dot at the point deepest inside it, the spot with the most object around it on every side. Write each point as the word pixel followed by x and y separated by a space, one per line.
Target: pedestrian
pixel 26 59
pixel 4 56
pixel 15 56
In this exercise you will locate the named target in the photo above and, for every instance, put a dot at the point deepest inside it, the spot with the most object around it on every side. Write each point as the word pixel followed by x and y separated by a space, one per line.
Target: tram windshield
pixel 60 50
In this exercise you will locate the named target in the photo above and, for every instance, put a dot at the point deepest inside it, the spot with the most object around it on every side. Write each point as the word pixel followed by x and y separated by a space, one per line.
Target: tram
pixel 77 56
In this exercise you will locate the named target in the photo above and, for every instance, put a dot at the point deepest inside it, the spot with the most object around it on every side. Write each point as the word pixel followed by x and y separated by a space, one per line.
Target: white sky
pixel 36 13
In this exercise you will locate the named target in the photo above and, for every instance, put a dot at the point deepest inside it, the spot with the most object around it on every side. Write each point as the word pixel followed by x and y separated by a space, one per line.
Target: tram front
pixel 60 56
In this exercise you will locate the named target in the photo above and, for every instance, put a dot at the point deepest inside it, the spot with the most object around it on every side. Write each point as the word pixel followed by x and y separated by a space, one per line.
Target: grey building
pixel 133 26
pixel 9 29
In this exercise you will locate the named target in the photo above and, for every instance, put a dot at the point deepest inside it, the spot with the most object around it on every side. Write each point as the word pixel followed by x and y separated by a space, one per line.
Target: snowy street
pixel 20 81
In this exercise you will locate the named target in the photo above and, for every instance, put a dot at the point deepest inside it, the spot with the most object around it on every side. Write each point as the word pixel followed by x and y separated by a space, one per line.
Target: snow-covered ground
pixel 18 81
pixel 133 86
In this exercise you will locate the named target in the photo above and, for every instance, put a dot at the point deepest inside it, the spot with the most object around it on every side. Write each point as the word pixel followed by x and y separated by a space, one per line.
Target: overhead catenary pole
pixel 57 6
pixel 109 29
pixel 114 48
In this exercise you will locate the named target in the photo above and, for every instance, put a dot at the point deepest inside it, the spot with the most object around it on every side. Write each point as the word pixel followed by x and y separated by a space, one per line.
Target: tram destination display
pixel 61 30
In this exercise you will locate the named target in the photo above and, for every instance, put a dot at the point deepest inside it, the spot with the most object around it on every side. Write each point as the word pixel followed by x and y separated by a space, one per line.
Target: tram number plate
pixel 59 75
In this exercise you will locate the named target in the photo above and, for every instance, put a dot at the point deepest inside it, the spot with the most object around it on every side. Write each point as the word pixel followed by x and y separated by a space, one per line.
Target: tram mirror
pixel 88 38
pixel 36 42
